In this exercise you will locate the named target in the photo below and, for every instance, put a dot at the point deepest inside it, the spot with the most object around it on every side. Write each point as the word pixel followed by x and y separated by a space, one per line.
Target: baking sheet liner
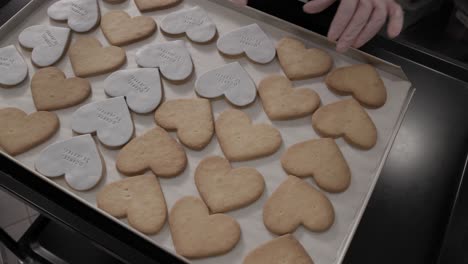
pixel 327 247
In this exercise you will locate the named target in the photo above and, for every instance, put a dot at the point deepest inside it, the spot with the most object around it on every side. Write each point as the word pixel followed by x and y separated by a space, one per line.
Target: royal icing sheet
pixel 230 80
pixel 77 158
pixel 141 87
pixel 47 42
pixel 110 119
pixel 82 15
pixel 250 40
pixel 13 68
pixel 172 58
pixel 194 21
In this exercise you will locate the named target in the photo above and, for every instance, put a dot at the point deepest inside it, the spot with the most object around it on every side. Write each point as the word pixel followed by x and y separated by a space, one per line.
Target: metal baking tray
pixel 327 247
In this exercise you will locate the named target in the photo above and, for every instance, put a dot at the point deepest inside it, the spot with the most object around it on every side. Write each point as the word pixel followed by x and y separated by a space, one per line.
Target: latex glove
pixel 357 21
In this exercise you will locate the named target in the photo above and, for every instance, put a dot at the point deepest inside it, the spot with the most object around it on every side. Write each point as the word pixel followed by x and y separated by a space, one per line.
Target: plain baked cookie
pixel 138 198
pixel 121 29
pixel 346 118
pixel 77 158
pixel 14 69
pixel 20 132
pixel 151 5
pixel 192 118
pixel 197 234
pixel 250 40
pixel 82 15
pixel 240 140
pixel 51 90
pixel 362 81
pixel 321 159
pixel 224 188
pixel 110 119
pixel 296 203
pixel 48 43
pixel 194 22
pixel 88 57
pixel 281 101
pixel 281 250
pixel 299 63
pixel 155 150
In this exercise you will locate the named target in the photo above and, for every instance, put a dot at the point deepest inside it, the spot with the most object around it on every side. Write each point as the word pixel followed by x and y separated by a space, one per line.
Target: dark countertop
pixel 411 217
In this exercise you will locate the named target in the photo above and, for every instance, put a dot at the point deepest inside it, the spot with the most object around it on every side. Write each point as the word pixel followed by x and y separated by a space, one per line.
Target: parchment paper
pixel 325 248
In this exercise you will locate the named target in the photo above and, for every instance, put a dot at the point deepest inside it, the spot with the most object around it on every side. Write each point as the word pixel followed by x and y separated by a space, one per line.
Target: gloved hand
pixel 357 21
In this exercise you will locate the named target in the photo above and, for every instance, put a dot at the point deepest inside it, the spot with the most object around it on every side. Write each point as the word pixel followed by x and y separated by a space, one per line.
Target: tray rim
pixel 283 25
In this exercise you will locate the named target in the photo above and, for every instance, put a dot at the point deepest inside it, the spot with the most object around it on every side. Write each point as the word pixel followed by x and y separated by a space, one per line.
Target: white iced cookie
pixel 47 42
pixel 194 22
pixel 13 68
pixel 250 40
pixel 110 119
pixel 141 87
pixel 77 158
pixel 82 15
pixel 172 58
pixel 230 80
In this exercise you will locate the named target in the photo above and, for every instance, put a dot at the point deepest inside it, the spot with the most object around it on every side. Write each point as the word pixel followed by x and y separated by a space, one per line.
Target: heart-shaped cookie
pixel 20 132
pixel 299 63
pixel 230 80
pixel 296 203
pixel 224 188
pixel 321 159
pixel 141 87
pixel 250 40
pixel 197 234
pixel 282 102
pixel 346 118
pixel 77 158
pixel 47 42
pixel 192 118
pixel 194 22
pixel 151 5
pixel 281 250
pixel 88 57
pixel 138 198
pixel 240 140
pixel 110 119
pixel 121 29
pixel 82 15
pixel 51 90
pixel 172 58
pixel 155 150
pixel 13 68
pixel 362 81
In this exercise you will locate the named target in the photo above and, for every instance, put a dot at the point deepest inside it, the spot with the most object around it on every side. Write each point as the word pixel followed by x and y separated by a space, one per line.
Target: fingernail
pixel 340 47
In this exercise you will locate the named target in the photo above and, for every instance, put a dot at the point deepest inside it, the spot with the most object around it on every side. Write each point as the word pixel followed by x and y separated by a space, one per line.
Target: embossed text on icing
pixel 75 158
pixel 49 38
pixel 227 80
pixel 107 116
pixel 249 40
pixel 7 62
pixel 78 10
pixel 169 56
pixel 138 85
pixel 190 20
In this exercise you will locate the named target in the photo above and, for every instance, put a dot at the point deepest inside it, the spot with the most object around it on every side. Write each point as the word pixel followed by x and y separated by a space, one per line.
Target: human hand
pixel 357 21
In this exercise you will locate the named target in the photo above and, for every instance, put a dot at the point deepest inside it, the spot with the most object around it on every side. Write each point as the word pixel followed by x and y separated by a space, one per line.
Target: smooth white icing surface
pixel 249 39
pixel 172 58
pixel 141 87
pixel 194 21
pixel 82 15
pixel 13 68
pixel 77 158
pixel 230 80
pixel 110 119
pixel 48 43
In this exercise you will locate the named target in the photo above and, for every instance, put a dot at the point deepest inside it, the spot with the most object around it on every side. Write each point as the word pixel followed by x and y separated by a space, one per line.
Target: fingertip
pixel 309 8
pixel 342 47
